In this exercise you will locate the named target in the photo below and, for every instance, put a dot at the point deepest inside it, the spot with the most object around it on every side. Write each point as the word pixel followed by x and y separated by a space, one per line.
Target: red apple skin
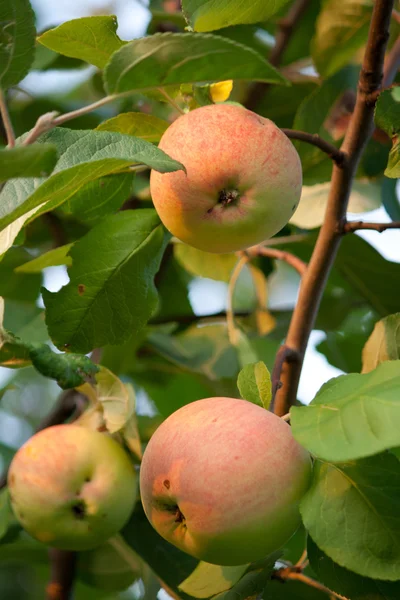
pixel 222 479
pixel 71 487
pixel 226 148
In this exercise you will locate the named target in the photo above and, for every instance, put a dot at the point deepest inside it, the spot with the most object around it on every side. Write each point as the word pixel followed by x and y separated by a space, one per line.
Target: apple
pixel 242 183
pixel 71 487
pixel 222 479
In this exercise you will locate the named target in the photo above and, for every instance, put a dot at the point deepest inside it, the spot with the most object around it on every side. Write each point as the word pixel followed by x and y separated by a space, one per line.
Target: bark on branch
pixel 351 226
pixel 314 139
pixel 357 135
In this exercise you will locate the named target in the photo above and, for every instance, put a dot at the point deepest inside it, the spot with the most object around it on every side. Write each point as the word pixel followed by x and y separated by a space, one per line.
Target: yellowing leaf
pixel 221 91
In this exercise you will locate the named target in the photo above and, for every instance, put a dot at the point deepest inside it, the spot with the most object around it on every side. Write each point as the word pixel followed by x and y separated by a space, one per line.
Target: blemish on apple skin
pixel 214 420
pixel 167 484
pixel 11 480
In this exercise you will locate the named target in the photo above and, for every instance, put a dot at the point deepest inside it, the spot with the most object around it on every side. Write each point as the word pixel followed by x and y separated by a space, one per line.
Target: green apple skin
pixel 72 488
pixel 222 479
pixel 242 183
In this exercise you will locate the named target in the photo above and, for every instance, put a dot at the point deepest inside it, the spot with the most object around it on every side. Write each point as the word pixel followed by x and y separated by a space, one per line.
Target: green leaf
pixel 169 564
pixel 347 583
pixel 203 15
pixel 175 58
pixel 205 350
pixel 253 582
pixel 365 196
pixel 254 383
pixel 352 416
pixel 387 117
pixel 312 116
pixel 343 346
pixel 145 127
pixel 387 111
pixel 5 512
pixel 99 198
pixel 205 264
pixel 69 370
pixel 207 580
pixel 383 344
pixel 17 41
pixel 84 157
pixel 111 293
pixel 374 278
pixel 92 39
pixel 52 258
pixel 108 569
pixel 37 160
pixel 13 353
pixel 352 512
pixel 341 30
pixel 24 287
pixel 390 200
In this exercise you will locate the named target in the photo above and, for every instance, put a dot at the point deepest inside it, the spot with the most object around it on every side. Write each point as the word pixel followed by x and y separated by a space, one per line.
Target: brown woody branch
pixel 63 568
pixel 392 64
pixel 8 128
pixel 283 255
pixel 358 133
pixel 351 226
pixel 282 39
pixel 295 574
pixel 334 153
pixel 284 354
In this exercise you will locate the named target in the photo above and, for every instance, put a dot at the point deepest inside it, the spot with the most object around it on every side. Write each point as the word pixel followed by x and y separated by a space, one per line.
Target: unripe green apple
pixel 242 183
pixel 71 487
pixel 222 479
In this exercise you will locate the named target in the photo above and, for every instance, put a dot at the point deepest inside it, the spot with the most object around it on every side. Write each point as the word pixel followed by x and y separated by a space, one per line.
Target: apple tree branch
pixel 358 133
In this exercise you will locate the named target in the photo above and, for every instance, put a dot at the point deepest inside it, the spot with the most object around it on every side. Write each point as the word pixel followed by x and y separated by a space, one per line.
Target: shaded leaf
pixel 390 200
pixel 174 58
pixel 203 15
pixel 141 125
pixel 341 30
pixel 205 264
pixel 254 383
pixel 99 198
pixel 383 344
pixel 352 512
pixel 106 568
pixel 92 39
pixel 365 196
pixel 17 41
pixel 387 117
pixel 346 582
pixel 111 293
pixel 312 116
pixel 36 160
pixel 207 580
pixel 56 256
pixel 352 416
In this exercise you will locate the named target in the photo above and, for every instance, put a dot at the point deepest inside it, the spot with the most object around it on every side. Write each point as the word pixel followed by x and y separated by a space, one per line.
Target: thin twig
pixel 283 255
pixel 392 64
pixel 315 584
pixel 302 559
pixel 286 239
pixel 171 100
pixel 314 139
pixel 53 119
pixel 284 354
pixel 351 226
pixel 282 39
pixel 230 316
pixel 6 120
pixel 358 133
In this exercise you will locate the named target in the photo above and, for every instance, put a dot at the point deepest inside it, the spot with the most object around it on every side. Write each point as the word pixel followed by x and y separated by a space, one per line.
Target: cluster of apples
pixel 221 478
